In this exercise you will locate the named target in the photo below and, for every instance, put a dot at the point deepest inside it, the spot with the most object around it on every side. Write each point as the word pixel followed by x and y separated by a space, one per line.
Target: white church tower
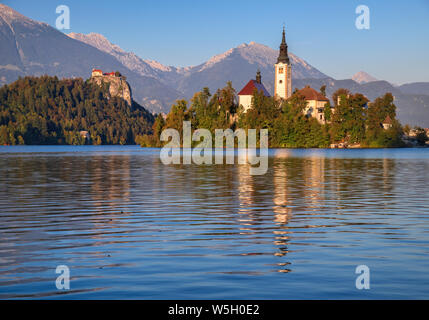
pixel 283 72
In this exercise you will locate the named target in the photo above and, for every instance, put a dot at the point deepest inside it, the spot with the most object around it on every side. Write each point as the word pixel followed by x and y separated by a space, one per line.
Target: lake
pixel 129 227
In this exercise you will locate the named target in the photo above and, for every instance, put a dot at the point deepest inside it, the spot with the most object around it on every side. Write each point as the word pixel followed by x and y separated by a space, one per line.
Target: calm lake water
pixel 130 227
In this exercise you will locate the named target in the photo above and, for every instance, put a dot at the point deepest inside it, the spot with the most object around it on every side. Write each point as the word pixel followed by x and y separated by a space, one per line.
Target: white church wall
pixel 245 101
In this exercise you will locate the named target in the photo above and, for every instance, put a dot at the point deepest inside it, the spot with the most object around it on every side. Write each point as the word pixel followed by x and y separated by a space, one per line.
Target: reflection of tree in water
pixel 245 189
pixel 314 182
pixel 256 194
pixel 249 215
pixel 62 192
pixel 211 187
pixel 110 180
pixel 354 182
pixel 310 186
pixel 97 185
pixel 94 178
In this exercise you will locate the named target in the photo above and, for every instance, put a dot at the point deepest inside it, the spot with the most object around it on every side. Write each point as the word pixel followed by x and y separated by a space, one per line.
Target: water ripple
pixel 129 227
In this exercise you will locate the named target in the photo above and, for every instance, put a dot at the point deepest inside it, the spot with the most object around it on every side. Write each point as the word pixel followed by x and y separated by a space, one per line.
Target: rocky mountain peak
pixel 10 16
pixel 97 40
pixel 129 59
pixel 363 77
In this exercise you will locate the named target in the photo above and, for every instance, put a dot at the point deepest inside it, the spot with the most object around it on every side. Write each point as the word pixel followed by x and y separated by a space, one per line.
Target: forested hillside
pixel 46 110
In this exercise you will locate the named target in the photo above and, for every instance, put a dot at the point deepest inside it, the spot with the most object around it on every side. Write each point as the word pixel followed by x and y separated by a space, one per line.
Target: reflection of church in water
pixel 286 197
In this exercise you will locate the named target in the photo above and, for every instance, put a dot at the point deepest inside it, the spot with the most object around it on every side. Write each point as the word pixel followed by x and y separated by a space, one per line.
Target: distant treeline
pixel 46 110
pixel 355 120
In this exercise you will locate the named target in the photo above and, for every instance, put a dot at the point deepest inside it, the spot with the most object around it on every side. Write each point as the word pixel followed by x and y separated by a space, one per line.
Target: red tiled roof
pixel 251 86
pixel 95 70
pixel 388 120
pixel 311 94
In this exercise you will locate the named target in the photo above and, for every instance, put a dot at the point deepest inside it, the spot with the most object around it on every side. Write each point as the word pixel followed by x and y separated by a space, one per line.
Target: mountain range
pixel 363 77
pixel 237 64
pixel 29 47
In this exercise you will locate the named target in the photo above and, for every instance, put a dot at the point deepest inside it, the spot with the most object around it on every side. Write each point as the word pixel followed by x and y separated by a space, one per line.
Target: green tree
pixel 46 110
pixel 421 136
pixel 377 112
pixel 323 90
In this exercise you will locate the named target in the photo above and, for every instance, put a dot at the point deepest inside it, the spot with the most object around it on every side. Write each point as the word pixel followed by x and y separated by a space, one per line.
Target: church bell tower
pixel 283 72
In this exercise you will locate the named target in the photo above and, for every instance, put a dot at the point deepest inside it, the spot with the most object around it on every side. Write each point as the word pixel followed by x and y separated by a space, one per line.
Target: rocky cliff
pixel 118 86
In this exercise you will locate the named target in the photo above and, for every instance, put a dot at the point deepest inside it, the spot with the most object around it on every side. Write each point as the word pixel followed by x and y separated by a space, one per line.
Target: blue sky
pixel 188 32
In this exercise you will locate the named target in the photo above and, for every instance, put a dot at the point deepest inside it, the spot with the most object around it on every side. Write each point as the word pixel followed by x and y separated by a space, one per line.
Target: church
pixel 246 94
pixel 283 87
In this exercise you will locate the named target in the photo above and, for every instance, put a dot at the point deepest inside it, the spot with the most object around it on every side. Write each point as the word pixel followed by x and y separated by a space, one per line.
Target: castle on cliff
pixel 118 86
pixel 99 73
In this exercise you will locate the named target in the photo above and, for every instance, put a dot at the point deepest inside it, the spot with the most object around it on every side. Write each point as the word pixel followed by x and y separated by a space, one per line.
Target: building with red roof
pixel 315 103
pixel 387 123
pixel 310 94
pixel 97 73
pixel 246 94
pixel 282 79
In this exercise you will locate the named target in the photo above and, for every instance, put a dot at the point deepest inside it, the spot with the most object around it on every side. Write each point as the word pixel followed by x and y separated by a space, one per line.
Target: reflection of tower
pixel 283 72
pixel 281 209
pixel 280 199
